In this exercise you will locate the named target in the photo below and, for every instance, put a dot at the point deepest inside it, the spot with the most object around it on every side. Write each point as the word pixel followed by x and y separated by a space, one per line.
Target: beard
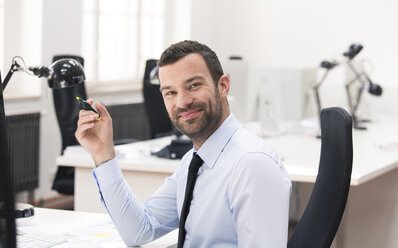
pixel 202 126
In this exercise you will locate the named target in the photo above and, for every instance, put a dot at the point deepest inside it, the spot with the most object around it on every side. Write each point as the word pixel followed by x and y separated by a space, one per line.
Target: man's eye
pixel 194 85
pixel 169 93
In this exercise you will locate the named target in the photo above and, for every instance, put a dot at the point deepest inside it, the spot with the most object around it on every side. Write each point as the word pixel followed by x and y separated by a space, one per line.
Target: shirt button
pixel 187 236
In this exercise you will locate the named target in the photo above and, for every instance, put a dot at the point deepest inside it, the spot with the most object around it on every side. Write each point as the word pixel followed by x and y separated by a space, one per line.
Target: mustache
pixel 197 105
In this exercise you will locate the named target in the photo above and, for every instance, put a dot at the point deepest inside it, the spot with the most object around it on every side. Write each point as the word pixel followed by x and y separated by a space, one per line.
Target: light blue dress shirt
pixel 240 199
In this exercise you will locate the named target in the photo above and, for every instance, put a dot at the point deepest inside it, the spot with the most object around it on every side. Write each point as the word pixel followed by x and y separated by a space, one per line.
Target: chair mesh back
pixel 67 110
pixel 324 210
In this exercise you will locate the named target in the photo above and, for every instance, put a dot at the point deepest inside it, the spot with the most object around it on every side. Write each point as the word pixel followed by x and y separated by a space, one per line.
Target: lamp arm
pixel 354 105
pixel 316 92
pixel 350 103
pixel 14 67
pixel 318 103
pixel 358 76
pixel 316 86
pixel 359 96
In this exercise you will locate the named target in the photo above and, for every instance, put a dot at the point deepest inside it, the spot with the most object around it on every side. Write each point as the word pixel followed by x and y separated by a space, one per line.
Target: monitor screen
pixel 7 219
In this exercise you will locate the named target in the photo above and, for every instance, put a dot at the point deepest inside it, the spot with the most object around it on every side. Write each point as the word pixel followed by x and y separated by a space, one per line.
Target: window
pixel 21 35
pixel 117 39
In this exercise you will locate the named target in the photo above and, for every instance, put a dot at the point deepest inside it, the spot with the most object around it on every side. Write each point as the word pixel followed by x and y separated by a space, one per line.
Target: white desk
pixel 82 229
pixel 375 151
pixel 371 218
pixel 144 173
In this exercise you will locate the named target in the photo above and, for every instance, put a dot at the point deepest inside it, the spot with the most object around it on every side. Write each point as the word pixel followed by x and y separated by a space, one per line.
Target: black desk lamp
pixel 363 78
pixel 61 74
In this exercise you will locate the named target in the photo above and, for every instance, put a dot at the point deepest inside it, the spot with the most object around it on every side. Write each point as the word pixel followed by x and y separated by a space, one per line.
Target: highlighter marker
pixel 84 105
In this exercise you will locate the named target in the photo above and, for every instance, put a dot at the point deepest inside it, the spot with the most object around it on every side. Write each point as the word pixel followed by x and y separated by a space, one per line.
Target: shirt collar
pixel 214 145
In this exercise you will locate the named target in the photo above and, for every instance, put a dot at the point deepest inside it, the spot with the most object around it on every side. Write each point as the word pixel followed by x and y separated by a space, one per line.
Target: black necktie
pixel 194 166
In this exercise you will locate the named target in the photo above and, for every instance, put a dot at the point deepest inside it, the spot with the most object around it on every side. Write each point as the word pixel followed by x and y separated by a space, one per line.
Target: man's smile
pixel 189 114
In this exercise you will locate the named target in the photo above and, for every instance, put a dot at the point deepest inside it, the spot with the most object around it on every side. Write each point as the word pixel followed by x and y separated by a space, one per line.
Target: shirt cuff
pixel 107 174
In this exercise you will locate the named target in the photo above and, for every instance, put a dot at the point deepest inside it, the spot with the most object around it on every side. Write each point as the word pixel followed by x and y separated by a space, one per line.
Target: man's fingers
pixel 102 110
pixel 87 115
pixel 82 129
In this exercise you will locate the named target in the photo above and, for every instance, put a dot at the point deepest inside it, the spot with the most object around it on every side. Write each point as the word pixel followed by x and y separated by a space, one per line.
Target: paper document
pixel 97 233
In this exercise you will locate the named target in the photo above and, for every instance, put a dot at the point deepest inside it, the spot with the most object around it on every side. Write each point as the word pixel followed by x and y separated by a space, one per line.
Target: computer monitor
pixel 257 90
pixel 7 214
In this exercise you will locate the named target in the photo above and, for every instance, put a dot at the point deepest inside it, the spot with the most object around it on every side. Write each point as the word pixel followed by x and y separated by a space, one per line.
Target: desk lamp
pixel 61 74
pixel 363 78
pixel 328 65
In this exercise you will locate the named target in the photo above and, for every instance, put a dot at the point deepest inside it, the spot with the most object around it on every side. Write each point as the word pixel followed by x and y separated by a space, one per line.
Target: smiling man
pixel 231 189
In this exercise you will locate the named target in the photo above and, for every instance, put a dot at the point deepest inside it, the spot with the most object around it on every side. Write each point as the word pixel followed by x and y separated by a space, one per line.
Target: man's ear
pixel 223 85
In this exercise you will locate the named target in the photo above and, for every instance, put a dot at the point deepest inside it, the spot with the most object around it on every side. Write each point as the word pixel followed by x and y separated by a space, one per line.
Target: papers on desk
pixel 101 234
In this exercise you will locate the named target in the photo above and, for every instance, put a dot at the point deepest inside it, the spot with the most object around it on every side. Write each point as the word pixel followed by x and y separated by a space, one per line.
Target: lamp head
pixel 328 64
pixel 374 89
pixel 353 50
pixel 65 73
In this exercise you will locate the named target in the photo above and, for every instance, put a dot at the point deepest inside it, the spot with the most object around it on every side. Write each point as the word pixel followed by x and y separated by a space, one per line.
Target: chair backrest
pixel 67 111
pixel 323 213
pixel 67 108
pixel 158 117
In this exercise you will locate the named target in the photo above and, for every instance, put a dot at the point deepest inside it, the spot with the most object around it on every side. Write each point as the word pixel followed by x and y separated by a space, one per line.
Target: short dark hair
pixel 181 49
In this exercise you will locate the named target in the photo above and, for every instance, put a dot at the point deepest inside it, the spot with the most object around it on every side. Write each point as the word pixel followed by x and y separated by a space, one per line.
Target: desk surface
pixel 375 153
pixel 135 156
pixel 82 229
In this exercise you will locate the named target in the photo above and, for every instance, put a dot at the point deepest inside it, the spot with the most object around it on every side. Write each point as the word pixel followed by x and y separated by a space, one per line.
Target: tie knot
pixel 195 164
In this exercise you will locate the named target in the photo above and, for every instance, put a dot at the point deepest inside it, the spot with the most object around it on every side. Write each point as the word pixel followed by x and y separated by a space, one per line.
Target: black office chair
pixel 322 216
pixel 159 121
pixel 67 111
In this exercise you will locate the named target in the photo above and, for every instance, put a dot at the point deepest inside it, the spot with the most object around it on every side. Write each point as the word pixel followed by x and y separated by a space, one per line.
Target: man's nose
pixel 184 99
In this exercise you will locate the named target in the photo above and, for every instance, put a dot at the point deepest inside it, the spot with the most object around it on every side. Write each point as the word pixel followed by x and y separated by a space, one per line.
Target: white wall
pixel 300 34
pixel 178 21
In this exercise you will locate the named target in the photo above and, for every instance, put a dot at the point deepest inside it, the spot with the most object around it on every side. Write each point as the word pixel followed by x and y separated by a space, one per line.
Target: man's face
pixel 194 103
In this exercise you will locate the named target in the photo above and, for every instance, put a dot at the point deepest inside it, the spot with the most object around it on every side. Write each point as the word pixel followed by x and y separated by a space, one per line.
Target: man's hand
pixel 96 136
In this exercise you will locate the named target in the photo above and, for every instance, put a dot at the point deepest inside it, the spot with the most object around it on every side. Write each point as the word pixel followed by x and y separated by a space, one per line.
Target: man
pixel 241 195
